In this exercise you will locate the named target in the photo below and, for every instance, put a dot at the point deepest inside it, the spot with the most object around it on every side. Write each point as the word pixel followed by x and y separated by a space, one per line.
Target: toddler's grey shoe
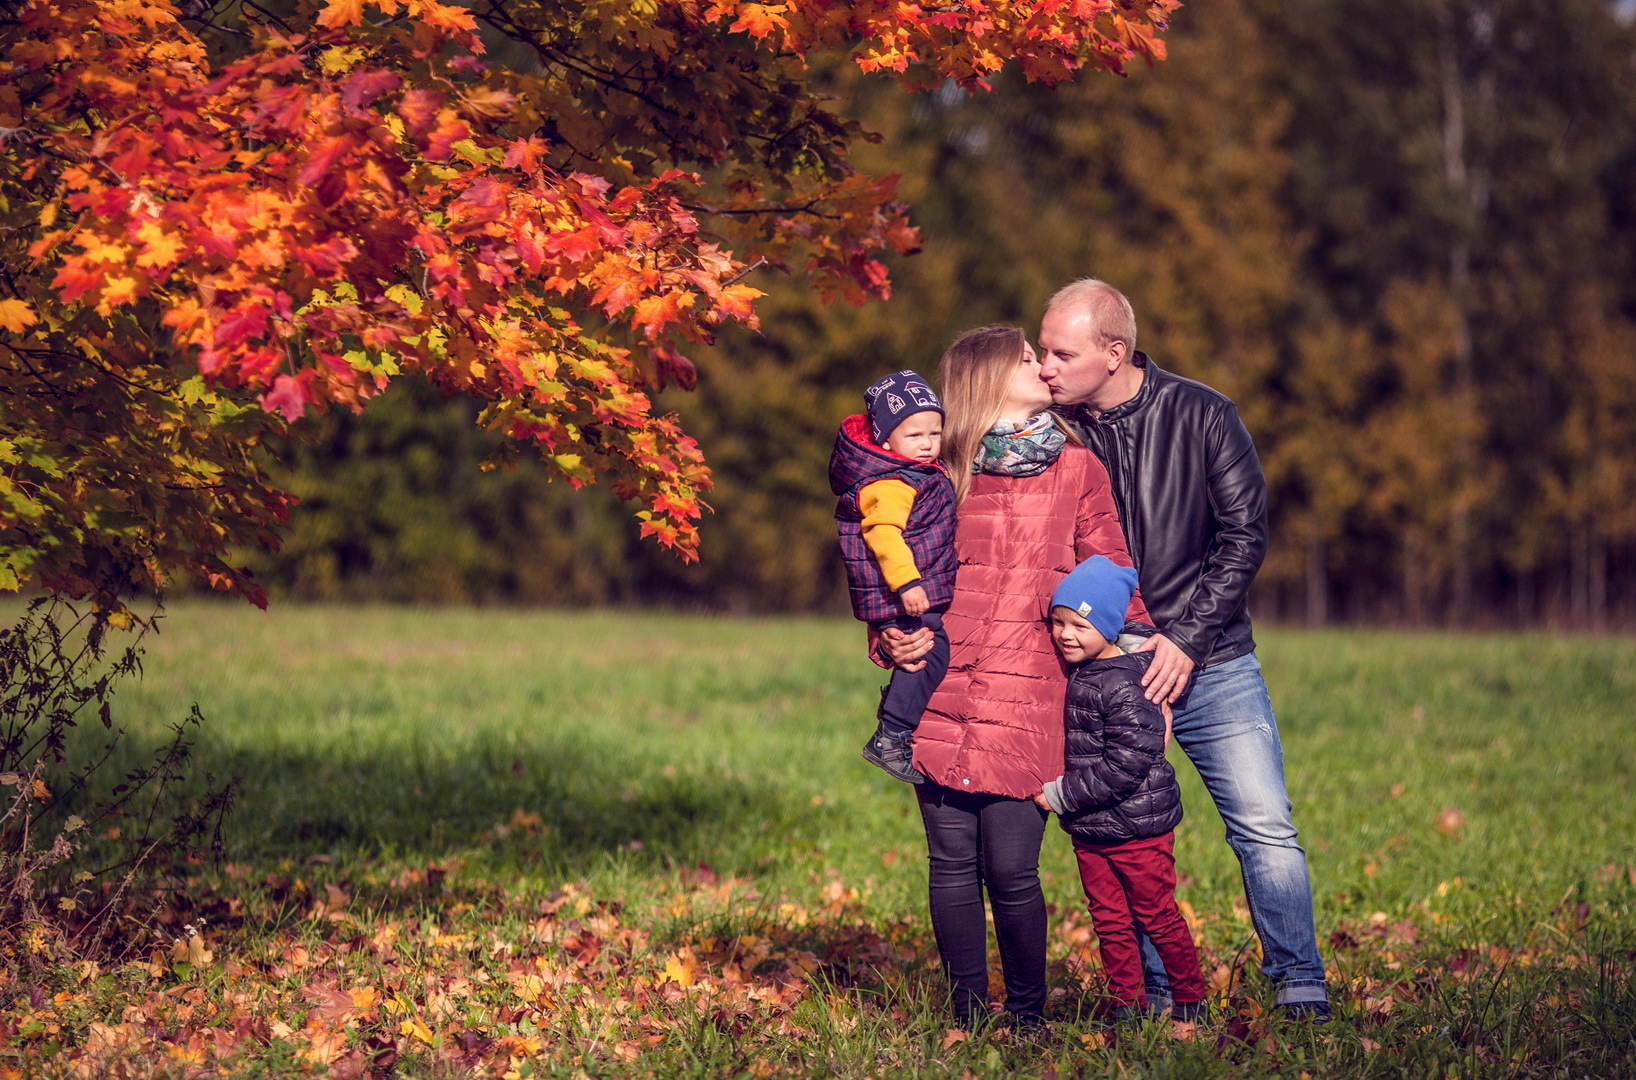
pixel 893 751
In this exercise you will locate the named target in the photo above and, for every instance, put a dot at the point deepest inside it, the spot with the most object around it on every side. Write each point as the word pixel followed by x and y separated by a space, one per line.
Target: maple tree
pixel 218 220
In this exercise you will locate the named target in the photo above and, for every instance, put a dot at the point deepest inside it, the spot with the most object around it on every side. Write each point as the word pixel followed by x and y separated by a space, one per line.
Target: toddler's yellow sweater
pixel 885 505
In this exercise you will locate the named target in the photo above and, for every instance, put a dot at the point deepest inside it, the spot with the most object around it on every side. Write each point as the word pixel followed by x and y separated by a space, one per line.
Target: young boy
pixel 1118 796
pixel 896 520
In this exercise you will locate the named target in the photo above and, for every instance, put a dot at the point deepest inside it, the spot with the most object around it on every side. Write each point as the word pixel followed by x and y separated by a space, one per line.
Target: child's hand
pixel 1170 721
pixel 1042 802
pixel 915 600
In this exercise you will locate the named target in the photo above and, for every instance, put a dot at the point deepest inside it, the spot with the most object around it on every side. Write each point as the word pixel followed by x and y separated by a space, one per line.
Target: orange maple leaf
pixel 682 968
pixel 159 248
pixel 759 20
pixel 738 301
pixel 16 316
pixel 116 291
pixel 443 16
pixel 655 312
pixel 341 13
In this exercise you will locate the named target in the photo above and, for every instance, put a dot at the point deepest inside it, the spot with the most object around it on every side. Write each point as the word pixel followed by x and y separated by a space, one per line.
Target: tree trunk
pixel 1414 578
pixel 1527 606
pixel 1578 572
pixel 1596 579
pixel 1470 187
pixel 1317 580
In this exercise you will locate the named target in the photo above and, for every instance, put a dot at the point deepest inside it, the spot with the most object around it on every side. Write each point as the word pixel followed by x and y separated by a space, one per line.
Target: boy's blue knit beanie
pixel 1098 591
pixel 894 399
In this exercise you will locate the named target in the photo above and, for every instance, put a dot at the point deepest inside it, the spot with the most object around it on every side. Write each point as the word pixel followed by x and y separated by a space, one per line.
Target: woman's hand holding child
pixel 905 650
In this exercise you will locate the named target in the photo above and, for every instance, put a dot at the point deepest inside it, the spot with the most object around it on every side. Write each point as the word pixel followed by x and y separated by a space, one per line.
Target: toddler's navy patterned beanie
pixel 894 399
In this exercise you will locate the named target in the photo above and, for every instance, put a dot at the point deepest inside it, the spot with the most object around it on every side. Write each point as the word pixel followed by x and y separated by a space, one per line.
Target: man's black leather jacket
pixel 1194 505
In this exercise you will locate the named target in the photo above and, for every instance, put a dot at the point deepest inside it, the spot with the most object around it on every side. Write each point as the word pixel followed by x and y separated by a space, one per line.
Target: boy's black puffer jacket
pixel 1117 784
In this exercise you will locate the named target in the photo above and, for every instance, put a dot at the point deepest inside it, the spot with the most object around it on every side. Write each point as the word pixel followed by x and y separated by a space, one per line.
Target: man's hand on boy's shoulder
pixel 1167 675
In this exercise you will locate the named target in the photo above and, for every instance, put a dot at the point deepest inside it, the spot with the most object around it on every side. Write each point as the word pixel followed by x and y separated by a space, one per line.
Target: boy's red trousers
pixel 1133 885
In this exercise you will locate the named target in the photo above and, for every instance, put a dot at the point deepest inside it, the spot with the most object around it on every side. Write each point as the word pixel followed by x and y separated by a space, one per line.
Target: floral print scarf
pixel 1026 449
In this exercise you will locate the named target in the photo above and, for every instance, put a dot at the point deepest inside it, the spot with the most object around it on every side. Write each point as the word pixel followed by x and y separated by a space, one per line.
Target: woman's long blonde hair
pixel 974 377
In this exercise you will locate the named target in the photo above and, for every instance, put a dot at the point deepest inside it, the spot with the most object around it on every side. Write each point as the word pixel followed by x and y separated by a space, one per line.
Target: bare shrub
pixel 72 847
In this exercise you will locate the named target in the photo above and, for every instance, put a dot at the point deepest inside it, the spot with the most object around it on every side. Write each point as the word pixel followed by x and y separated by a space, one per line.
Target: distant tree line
pixel 1410 256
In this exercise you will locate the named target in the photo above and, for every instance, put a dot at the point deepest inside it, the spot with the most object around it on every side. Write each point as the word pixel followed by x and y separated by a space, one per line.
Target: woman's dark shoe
pixel 893 751
pixel 1032 1027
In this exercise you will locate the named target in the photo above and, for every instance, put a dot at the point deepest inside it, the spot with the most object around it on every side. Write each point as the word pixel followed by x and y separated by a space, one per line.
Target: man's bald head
pixel 1087 346
pixel 1108 309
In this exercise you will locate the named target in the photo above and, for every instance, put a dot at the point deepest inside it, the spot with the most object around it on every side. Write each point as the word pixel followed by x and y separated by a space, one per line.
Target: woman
pixel 1033 505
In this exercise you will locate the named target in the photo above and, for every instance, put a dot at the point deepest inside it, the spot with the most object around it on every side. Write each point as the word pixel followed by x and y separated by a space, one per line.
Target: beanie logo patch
pixel 1084 610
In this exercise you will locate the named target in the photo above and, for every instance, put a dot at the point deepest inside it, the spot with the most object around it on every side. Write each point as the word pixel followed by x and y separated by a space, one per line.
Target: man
pixel 1193 503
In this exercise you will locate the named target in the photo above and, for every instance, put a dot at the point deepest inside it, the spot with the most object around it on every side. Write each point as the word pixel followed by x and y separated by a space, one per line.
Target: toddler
pixel 1118 797
pixel 896 520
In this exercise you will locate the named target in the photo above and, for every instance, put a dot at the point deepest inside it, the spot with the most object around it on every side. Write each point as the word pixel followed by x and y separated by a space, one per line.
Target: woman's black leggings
pixel 986 840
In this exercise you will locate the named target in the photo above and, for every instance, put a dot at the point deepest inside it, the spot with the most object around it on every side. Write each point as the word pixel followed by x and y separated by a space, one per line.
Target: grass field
pixel 488 842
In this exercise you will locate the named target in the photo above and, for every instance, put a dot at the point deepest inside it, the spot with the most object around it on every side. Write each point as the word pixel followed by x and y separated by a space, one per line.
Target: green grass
pixel 649 744
pixel 412 733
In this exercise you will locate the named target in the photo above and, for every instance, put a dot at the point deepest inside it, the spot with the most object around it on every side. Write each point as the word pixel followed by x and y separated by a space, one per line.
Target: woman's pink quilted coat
pixel 995 724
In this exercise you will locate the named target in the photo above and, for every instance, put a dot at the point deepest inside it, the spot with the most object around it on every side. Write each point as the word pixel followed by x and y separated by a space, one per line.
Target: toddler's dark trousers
pixel 909 691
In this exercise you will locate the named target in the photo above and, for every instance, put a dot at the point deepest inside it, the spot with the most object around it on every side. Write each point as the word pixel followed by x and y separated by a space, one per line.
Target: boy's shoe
pixel 1316 1011
pixel 893 751
pixel 1190 1012
pixel 1127 1014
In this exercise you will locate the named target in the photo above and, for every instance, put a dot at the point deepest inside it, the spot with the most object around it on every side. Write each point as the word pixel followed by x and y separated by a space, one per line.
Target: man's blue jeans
pixel 1228 731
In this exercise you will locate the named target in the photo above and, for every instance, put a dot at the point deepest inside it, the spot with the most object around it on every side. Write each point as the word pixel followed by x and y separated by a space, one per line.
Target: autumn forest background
pixel 1401 236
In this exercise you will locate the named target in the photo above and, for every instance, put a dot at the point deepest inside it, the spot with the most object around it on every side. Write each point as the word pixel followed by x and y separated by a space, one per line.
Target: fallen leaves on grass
pixel 466 977
pixel 467 981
